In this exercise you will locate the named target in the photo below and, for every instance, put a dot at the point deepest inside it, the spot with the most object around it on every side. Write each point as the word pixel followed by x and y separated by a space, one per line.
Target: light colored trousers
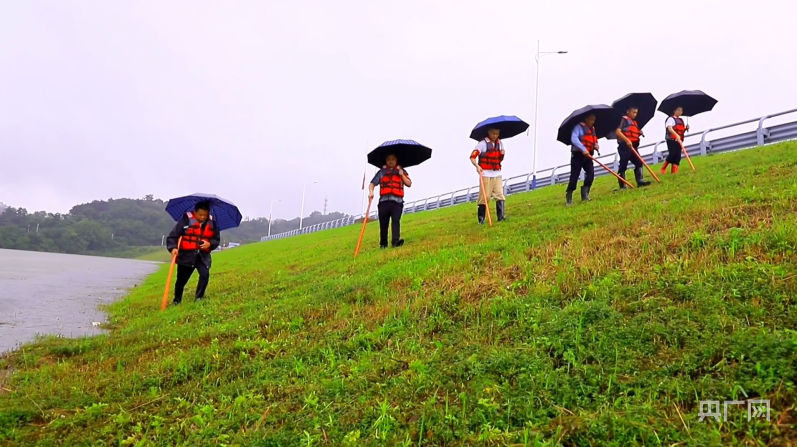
pixel 494 187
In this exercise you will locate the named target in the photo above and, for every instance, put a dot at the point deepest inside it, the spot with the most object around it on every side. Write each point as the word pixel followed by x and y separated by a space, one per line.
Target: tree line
pixel 119 227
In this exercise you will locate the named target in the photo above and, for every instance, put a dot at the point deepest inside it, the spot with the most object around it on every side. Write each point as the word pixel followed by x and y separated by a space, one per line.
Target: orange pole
pixel 646 165
pixel 610 171
pixel 169 278
pixel 362 232
pixel 687 155
pixel 486 199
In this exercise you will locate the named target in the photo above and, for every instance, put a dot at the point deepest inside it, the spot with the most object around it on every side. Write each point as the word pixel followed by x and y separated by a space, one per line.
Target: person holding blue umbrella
pixel 200 218
pixel 487 157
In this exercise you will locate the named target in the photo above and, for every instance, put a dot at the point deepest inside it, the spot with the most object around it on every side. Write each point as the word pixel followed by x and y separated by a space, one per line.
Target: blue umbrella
pixel 407 152
pixel 224 212
pixel 509 125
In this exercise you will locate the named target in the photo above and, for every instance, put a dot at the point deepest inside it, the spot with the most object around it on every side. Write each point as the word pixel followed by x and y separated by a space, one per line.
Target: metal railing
pixel 561 174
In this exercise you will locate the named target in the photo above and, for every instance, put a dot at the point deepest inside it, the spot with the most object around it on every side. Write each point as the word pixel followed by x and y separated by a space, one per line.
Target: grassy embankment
pixel 601 324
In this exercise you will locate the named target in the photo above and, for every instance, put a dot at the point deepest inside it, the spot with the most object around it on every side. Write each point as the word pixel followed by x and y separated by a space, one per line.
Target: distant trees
pixel 103 226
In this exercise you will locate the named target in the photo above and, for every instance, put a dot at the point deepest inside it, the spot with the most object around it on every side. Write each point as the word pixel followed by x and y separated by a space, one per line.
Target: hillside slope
pixel 605 323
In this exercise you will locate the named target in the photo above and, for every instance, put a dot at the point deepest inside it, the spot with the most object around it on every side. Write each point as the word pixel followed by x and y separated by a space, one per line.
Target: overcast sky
pixel 249 99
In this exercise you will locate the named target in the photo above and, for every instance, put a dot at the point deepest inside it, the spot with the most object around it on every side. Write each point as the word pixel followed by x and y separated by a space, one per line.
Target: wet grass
pixel 605 323
pixel 158 254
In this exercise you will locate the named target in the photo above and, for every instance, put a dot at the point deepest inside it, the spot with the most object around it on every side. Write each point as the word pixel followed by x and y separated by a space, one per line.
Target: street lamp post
pixel 304 189
pixel 536 101
pixel 270 211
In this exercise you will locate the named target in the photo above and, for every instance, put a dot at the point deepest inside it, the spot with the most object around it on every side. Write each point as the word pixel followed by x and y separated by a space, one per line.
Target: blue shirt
pixel 575 139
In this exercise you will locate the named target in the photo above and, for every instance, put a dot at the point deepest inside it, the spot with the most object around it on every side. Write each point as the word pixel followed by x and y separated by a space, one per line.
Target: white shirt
pixel 669 123
pixel 482 148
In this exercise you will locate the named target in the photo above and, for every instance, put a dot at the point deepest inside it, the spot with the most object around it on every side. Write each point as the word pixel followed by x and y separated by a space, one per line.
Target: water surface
pixel 57 294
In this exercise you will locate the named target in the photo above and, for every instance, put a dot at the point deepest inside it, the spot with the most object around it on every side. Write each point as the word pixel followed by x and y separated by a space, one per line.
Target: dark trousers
pixel 627 155
pixel 184 274
pixel 674 152
pixel 579 161
pixel 389 210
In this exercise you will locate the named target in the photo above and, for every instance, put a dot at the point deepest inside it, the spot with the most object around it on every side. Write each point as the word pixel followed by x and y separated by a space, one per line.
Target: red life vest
pixel 196 232
pixel 679 129
pixel 589 140
pixel 490 160
pixel 391 183
pixel 630 129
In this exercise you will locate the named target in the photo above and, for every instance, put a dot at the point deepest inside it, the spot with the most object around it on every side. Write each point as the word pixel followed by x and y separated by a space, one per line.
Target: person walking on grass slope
pixel 490 153
pixel 676 129
pixel 391 180
pixel 198 235
pixel 628 134
pixel 584 142
pixel 488 156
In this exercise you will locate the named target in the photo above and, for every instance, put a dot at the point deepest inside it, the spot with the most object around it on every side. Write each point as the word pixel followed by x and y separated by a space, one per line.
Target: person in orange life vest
pixel 199 237
pixel 583 141
pixel 628 133
pixel 674 136
pixel 487 158
pixel 391 180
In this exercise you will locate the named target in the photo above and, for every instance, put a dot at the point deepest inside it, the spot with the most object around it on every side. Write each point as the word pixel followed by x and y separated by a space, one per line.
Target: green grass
pixel 600 324
pixel 155 254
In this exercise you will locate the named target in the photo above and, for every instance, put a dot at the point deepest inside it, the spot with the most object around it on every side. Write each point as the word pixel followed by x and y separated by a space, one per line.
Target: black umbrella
pixel 644 102
pixel 692 101
pixel 606 120
pixel 408 152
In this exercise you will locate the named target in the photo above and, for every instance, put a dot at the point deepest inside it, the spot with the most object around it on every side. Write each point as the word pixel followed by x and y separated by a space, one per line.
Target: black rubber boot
pixel 640 181
pixel 621 182
pixel 499 210
pixel 482 213
pixel 585 193
pixel 569 198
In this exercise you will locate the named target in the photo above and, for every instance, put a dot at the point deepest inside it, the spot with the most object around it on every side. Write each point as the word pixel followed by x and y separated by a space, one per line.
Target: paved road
pixel 49 293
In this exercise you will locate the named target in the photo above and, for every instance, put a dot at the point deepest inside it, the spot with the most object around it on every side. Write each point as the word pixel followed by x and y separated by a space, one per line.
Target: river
pixel 58 294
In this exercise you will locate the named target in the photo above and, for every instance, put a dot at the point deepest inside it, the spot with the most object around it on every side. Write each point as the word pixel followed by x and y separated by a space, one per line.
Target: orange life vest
pixel 630 129
pixel 391 183
pixel 196 232
pixel 490 160
pixel 589 140
pixel 679 129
